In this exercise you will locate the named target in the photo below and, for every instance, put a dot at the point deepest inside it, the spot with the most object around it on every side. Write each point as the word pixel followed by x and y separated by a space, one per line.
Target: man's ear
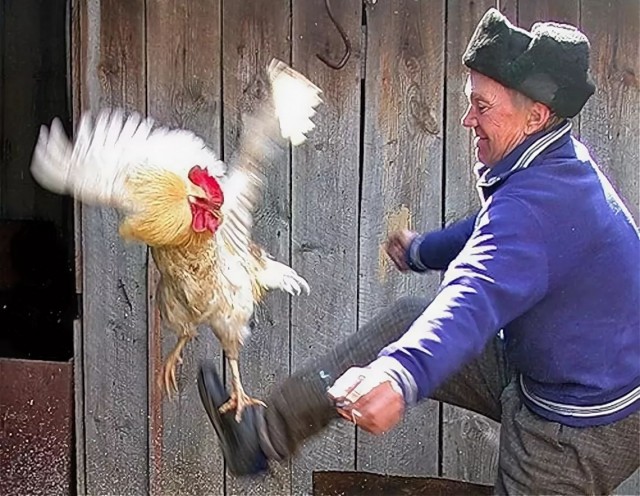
pixel 539 116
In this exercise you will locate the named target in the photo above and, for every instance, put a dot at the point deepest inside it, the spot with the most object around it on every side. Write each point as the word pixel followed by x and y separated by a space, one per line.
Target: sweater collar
pixel 522 155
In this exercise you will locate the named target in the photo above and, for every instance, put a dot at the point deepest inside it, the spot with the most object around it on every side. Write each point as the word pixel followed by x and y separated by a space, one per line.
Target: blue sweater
pixel 553 259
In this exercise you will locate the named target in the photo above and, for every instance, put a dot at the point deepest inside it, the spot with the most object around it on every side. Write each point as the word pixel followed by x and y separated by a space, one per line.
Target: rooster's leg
pixel 239 399
pixel 174 358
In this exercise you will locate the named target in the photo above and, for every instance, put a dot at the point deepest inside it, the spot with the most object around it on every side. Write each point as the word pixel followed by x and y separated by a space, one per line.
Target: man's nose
pixel 468 118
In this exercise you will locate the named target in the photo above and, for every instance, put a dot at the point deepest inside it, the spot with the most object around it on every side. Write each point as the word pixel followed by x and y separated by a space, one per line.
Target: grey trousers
pixel 536 456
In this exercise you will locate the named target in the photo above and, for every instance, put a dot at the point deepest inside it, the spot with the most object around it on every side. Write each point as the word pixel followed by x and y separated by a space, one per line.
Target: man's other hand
pixel 397 245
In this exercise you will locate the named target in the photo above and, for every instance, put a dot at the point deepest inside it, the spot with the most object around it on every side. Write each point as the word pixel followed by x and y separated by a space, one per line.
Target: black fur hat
pixel 549 64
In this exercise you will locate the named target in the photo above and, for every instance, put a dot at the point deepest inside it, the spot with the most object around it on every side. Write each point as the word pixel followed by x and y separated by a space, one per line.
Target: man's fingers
pixel 397 255
pixel 346 383
pixel 376 412
pixel 364 387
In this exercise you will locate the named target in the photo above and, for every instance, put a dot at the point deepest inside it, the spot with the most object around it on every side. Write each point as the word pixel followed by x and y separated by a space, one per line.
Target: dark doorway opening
pixel 37 293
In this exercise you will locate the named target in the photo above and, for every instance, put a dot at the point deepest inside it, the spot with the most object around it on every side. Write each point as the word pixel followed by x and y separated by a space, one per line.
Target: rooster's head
pixel 205 208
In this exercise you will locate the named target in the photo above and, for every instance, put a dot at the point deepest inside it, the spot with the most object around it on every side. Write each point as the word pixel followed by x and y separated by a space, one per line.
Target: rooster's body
pixel 177 197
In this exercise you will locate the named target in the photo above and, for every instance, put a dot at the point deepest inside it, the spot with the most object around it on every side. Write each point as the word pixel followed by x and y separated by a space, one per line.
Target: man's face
pixel 498 121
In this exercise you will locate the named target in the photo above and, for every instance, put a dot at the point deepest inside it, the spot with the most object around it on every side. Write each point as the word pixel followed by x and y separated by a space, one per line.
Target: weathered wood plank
pixel 470 441
pixel 609 122
pixel 508 8
pixel 629 487
pixel 183 90
pixel 115 289
pixel 610 126
pixel 567 11
pixel 253 35
pixel 77 14
pixel 461 197
pixel 401 187
pixel 325 188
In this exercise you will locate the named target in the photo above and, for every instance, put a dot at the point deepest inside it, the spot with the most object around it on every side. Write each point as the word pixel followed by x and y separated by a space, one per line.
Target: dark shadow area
pixel 37 295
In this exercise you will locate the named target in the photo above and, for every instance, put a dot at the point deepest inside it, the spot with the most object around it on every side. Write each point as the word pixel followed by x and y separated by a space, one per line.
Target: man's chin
pixel 479 155
pixel 483 158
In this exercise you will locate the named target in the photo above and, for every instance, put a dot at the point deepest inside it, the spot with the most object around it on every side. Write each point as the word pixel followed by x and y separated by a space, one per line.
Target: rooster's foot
pixel 170 382
pixel 238 402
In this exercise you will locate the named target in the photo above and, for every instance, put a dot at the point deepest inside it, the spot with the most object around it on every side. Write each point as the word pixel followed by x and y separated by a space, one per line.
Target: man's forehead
pixel 478 85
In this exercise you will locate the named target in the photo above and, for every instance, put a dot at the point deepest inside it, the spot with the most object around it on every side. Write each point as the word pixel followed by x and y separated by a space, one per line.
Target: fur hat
pixel 549 64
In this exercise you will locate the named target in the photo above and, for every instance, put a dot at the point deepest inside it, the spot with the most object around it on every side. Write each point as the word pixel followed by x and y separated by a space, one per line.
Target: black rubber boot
pixel 239 440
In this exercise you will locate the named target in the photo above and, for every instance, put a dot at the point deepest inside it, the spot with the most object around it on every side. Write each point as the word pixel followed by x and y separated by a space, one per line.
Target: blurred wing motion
pixel 287 114
pixel 106 153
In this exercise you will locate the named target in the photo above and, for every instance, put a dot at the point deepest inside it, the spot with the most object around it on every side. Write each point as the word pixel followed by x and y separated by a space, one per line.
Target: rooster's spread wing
pixel 286 114
pixel 94 169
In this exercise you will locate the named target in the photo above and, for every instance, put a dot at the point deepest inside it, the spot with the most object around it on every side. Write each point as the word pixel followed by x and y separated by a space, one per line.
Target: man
pixel 551 259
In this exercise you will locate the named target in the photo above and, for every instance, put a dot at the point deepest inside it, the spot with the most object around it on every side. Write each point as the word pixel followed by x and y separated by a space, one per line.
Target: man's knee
pixel 410 305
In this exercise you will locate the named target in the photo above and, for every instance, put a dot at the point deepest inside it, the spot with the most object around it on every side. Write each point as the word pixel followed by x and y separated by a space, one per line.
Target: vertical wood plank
pixel 469 441
pixel 252 35
pixel 401 187
pixel 78 15
pixel 115 290
pixel 610 126
pixel 567 11
pixel 325 213
pixel 461 197
pixel 508 8
pixel 183 90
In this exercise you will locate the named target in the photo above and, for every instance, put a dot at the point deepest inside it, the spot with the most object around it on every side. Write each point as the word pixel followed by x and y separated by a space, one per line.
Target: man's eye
pixel 482 108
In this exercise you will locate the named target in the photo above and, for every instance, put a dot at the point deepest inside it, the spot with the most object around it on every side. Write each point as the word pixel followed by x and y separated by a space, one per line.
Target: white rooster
pixel 176 196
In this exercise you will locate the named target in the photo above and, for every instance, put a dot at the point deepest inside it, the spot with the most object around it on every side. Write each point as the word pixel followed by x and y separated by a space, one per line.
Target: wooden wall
pixel 388 152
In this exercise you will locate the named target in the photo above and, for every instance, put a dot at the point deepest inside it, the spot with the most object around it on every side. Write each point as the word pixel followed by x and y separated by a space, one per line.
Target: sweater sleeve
pixel 435 250
pixel 499 275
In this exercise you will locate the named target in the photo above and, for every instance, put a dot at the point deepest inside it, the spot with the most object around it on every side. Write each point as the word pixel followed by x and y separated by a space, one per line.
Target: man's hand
pixel 368 398
pixel 397 245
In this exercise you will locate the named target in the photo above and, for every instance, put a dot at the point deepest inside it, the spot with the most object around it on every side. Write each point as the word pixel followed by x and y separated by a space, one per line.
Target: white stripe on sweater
pixel 533 151
pixel 582 411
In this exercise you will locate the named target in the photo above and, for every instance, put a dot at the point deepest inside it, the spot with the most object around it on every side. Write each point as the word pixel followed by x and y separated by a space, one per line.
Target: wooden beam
pixel 115 289
pixel 610 127
pixel 254 33
pixel 76 63
pixel 183 90
pixel 609 122
pixel 401 188
pixel 469 441
pixel 325 196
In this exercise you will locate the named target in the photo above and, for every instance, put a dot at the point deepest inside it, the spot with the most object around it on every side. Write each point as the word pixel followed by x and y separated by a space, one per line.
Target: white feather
pixel 288 111
pixel 295 99
pixel 94 169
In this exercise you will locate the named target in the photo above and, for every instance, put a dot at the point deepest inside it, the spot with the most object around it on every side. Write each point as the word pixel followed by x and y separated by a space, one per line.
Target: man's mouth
pixel 477 140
